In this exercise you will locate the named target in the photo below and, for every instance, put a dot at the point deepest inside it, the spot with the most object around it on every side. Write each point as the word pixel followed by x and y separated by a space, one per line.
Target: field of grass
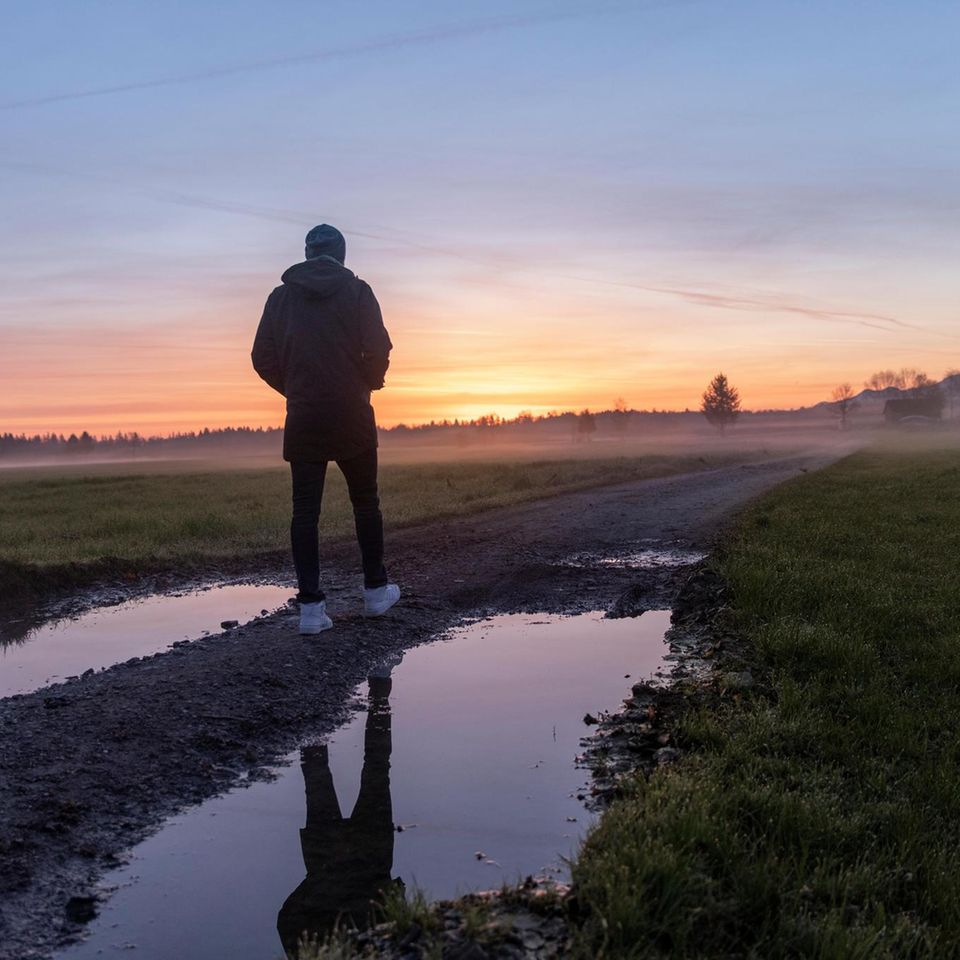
pixel 820 818
pixel 148 512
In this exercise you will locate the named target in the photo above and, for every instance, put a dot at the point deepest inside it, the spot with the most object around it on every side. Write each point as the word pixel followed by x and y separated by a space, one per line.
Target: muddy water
pixel 457 774
pixel 31 658
pixel 653 555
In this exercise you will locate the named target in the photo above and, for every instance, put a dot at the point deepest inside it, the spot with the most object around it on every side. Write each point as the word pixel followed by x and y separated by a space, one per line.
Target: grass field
pixel 821 819
pixel 155 513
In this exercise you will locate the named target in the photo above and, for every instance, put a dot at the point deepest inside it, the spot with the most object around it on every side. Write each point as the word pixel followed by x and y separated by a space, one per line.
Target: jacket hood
pixel 319 277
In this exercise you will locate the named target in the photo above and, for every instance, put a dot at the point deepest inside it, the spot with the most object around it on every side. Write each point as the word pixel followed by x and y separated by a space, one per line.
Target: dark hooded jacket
pixel 322 344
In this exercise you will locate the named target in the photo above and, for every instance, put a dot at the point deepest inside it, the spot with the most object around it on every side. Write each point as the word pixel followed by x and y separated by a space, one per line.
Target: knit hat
pixel 325 241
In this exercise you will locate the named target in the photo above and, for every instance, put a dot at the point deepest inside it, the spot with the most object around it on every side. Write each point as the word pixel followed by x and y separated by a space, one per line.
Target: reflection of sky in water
pixel 478 738
pixel 63 648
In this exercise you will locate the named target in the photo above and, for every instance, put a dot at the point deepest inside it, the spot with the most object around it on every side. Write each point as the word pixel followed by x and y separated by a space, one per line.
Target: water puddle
pixel 458 774
pixel 31 658
pixel 655 557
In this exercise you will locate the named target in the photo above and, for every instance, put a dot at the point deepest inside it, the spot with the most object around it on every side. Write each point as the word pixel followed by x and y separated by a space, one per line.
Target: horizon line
pixel 489 420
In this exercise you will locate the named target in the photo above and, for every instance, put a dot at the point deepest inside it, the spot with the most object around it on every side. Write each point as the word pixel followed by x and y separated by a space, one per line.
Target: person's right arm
pixel 375 345
pixel 266 360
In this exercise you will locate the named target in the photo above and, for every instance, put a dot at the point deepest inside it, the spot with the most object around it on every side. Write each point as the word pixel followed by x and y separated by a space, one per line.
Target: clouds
pixel 557 204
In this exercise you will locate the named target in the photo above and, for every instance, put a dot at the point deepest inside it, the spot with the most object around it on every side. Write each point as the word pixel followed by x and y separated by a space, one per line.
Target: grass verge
pixel 820 817
pixel 53 519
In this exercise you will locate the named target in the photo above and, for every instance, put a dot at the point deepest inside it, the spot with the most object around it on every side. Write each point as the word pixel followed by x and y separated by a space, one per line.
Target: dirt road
pixel 90 767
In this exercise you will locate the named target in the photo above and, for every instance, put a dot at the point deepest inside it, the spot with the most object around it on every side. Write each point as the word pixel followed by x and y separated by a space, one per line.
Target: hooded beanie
pixel 325 241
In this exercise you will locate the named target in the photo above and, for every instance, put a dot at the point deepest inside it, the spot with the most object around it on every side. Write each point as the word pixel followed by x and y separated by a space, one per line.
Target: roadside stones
pixel 81 909
pixel 666 755
pixel 737 680
pixel 468 951
pixel 528 923
pixel 632 602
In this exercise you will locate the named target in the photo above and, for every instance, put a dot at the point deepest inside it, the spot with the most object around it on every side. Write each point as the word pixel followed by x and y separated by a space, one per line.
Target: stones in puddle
pixel 81 909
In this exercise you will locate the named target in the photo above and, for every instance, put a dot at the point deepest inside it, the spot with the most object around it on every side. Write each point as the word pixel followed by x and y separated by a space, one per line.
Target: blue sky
pixel 557 203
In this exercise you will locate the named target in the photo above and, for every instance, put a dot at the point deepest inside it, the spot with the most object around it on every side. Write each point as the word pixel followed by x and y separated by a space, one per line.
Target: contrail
pixel 877 321
pixel 774 304
pixel 393 42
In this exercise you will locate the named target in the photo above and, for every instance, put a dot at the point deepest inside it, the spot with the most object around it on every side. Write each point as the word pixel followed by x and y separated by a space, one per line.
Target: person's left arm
pixel 375 345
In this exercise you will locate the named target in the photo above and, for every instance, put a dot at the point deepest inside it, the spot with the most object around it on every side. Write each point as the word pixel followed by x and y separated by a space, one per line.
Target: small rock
pixel 532 940
pixel 666 755
pixel 468 951
pixel 742 680
pixel 81 909
pixel 411 936
pixel 229 624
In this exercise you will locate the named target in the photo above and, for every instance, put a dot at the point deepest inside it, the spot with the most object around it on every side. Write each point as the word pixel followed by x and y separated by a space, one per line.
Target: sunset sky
pixel 556 203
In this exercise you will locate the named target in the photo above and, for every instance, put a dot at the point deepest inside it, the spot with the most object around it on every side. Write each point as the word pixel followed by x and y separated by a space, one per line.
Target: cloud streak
pixel 401 41
pixel 777 304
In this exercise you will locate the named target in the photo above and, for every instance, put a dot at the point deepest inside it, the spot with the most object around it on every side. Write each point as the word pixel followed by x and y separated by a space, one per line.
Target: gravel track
pixel 92 766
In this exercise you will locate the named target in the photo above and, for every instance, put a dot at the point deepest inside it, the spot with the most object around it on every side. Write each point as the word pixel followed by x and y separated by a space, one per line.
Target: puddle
pixel 59 649
pixel 469 747
pixel 652 558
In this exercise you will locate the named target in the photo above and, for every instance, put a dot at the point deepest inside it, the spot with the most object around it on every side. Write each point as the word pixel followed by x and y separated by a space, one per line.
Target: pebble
pixel 666 755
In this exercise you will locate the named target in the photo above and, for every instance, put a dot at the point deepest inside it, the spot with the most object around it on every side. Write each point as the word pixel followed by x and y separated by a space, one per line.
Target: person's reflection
pixel 348 859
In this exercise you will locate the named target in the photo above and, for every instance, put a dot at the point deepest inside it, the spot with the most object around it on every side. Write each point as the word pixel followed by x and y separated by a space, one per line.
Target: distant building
pixel 895 410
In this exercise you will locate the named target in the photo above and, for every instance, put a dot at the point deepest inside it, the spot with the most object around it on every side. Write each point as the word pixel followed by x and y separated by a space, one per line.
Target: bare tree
pixel 921 386
pixel 884 379
pixel 843 403
pixel 720 403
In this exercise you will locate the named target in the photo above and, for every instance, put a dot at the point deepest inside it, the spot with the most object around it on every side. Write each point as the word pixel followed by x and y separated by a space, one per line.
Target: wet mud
pixel 90 767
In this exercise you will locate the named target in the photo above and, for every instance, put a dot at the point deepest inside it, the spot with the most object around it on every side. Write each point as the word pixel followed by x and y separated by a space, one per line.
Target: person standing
pixel 322 344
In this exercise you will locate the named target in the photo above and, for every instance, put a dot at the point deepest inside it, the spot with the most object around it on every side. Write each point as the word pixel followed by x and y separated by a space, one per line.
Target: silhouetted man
pixel 322 344
pixel 349 860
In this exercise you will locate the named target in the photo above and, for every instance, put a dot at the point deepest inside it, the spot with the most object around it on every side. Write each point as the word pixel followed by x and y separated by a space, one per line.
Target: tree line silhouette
pixel 720 406
pixel 580 426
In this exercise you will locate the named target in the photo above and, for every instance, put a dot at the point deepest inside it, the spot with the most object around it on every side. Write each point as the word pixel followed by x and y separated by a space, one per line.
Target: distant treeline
pixel 585 425
pixel 125 444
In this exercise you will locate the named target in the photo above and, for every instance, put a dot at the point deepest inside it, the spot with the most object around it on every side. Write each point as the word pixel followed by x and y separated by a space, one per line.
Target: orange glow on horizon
pixel 184 373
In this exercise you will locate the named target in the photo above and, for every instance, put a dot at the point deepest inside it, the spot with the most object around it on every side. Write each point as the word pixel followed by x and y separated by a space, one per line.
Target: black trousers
pixel 360 473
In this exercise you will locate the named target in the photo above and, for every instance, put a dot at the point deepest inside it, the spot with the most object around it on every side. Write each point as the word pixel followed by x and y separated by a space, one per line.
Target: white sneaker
pixel 313 618
pixel 377 600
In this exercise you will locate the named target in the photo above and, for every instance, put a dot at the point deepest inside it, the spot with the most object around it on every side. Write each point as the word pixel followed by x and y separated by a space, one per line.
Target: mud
pixel 92 766
pixel 709 662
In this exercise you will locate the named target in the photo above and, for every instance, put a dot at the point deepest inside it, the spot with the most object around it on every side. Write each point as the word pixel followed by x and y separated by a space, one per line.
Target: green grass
pixel 822 817
pixel 54 517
